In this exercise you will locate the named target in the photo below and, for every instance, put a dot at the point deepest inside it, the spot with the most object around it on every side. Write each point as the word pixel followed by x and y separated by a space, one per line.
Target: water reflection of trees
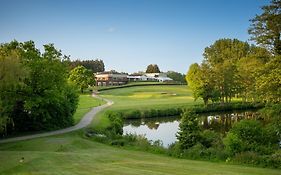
pixel 224 121
pixel 220 122
pixel 151 123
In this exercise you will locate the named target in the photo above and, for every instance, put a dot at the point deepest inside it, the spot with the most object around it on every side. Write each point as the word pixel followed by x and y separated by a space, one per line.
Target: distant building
pixel 139 77
pixel 160 77
pixel 110 78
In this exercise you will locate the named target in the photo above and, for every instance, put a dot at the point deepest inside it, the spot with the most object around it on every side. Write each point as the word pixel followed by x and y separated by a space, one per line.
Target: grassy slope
pixel 72 154
pixel 144 97
pixel 86 102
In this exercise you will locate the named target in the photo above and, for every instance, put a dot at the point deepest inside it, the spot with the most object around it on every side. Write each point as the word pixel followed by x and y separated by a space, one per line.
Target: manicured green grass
pixel 73 154
pixel 143 98
pixel 150 97
pixel 86 102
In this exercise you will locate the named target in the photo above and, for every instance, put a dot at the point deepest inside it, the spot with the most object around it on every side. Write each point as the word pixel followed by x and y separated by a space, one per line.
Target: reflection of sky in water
pixel 165 128
pixel 166 132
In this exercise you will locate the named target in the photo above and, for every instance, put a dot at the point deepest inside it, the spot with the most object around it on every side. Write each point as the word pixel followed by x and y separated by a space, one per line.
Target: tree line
pixel 233 68
pixel 34 91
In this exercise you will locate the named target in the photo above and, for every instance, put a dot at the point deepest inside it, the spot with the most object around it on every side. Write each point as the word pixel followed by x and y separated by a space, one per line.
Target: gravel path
pixel 85 121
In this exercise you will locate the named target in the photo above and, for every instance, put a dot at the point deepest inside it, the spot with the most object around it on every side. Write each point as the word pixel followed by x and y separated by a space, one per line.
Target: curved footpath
pixel 85 121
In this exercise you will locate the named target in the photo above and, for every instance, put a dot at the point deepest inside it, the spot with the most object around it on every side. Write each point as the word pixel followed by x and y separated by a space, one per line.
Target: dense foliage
pixel 266 28
pixel 93 65
pixel 152 68
pixel 176 76
pixel 82 77
pixel 35 94
pixel 233 68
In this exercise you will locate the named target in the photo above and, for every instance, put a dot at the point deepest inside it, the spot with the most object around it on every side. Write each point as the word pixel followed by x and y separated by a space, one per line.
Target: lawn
pixel 86 102
pixel 73 154
pixel 143 98
pixel 148 97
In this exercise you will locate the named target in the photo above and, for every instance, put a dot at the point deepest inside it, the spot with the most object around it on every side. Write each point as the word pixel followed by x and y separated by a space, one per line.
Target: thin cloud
pixel 111 29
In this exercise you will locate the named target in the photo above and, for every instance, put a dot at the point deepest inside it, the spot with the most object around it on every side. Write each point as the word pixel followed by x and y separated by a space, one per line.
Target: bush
pixel 249 135
pixel 116 123
pixel 248 157
pixel 253 158
pixel 189 131
pixel 211 138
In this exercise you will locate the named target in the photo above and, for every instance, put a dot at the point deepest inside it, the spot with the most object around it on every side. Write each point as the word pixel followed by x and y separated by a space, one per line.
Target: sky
pixel 128 35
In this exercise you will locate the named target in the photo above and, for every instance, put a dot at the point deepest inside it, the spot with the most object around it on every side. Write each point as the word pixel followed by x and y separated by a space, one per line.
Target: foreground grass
pixel 86 102
pixel 73 154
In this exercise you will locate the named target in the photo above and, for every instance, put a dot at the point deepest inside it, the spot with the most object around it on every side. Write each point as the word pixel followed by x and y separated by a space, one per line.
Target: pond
pixel 165 128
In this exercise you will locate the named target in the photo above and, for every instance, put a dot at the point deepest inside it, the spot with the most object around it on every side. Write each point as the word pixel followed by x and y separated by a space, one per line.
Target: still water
pixel 165 128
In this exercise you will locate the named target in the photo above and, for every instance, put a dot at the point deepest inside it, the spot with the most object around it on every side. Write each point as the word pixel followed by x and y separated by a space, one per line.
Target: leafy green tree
pixel 94 65
pixel 201 81
pixel 152 68
pixel 12 75
pixel 45 100
pixel 189 133
pixel 268 83
pixel 222 58
pixel 266 28
pixel 81 77
pixel 176 76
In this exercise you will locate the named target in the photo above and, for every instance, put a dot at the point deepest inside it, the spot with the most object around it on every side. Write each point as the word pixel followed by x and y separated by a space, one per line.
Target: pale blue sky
pixel 129 34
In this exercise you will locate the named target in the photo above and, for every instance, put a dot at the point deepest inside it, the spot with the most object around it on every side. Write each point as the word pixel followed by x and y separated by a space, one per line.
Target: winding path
pixel 85 121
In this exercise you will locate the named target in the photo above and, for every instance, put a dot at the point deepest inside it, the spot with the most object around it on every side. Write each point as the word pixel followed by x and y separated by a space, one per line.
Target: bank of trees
pixel 95 66
pixel 34 90
pixel 233 68
pixel 176 76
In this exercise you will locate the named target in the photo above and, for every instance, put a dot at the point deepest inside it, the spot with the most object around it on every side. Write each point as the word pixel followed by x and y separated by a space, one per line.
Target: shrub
pixel 211 138
pixel 249 135
pixel 189 132
pixel 116 123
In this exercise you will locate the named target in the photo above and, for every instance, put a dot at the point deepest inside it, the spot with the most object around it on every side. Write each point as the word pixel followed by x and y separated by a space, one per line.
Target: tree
pixel 189 132
pixel 94 65
pixel 12 75
pixel 45 100
pixel 248 68
pixel 176 76
pixel 152 68
pixel 201 81
pixel 82 77
pixel 266 28
pixel 268 82
pixel 222 58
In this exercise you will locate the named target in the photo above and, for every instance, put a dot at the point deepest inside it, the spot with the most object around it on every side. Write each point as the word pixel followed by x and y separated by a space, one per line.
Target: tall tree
pixel 222 57
pixel 81 77
pixel 94 65
pixel 176 76
pixel 152 68
pixel 45 100
pixel 201 81
pixel 266 28
pixel 12 75
pixel 189 132
pixel 268 81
